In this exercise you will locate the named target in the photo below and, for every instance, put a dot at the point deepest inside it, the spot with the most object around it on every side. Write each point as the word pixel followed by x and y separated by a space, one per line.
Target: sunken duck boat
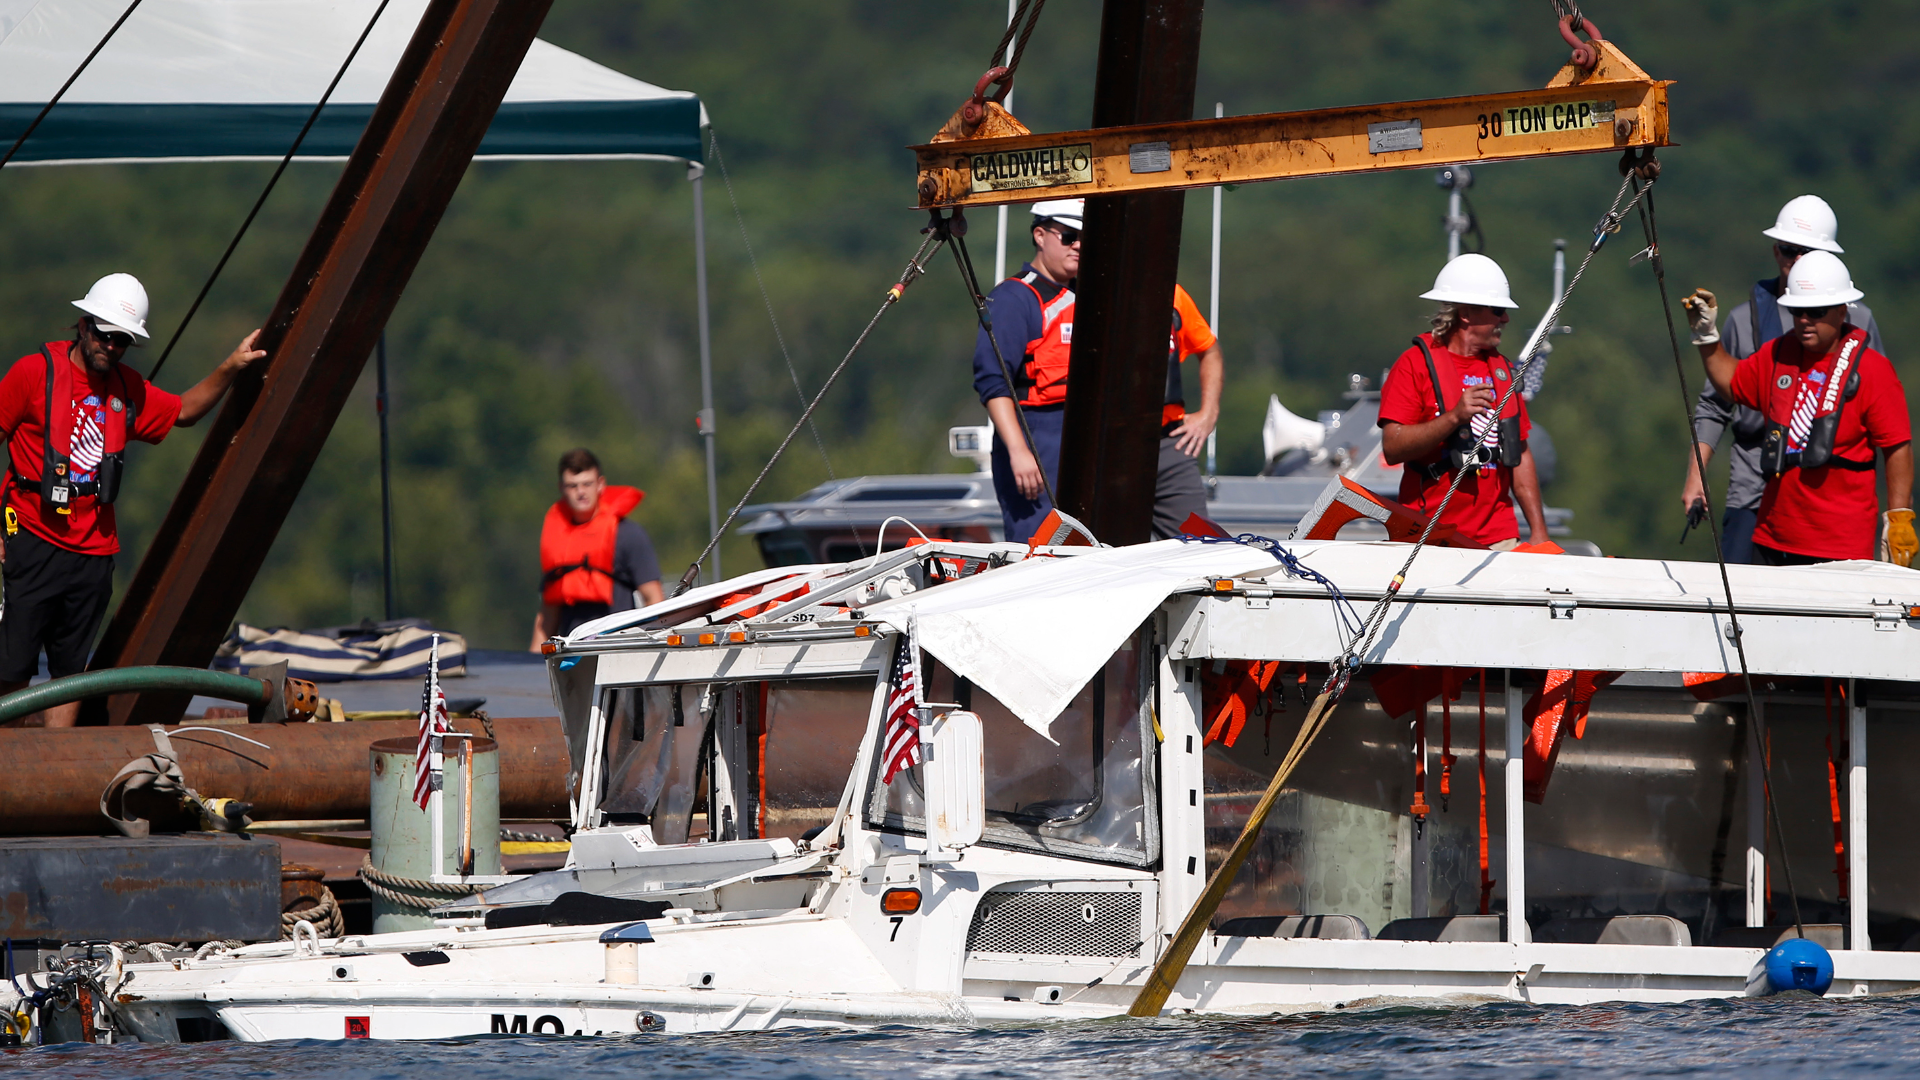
pixel 984 782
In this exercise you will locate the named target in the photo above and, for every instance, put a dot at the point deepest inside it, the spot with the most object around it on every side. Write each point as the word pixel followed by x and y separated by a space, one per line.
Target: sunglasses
pixel 1789 251
pixel 1068 237
pixel 113 337
pixel 1814 312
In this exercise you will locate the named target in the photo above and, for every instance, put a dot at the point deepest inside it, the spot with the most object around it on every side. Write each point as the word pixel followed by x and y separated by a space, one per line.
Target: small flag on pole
pixel 433 721
pixel 902 730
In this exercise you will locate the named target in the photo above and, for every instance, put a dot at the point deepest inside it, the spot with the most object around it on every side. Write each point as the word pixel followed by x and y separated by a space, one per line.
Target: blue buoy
pixel 1799 964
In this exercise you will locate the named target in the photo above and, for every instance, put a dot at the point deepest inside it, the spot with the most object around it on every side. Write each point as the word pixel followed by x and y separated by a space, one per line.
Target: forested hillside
pixel 556 304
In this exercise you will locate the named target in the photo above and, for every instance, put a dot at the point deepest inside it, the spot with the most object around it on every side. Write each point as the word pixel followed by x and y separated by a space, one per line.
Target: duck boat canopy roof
pixel 1036 628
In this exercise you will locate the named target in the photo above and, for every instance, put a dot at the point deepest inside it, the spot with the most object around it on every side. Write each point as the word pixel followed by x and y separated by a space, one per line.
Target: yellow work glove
pixel 1703 316
pixel 1898 544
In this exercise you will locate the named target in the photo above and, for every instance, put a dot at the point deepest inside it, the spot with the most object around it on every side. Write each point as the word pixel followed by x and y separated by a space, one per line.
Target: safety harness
pixel 1843 382
pixel 55 483
pixel 1463 446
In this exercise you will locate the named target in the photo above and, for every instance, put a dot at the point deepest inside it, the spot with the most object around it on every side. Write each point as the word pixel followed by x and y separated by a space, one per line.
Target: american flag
pixel 433 721
pixel 902 732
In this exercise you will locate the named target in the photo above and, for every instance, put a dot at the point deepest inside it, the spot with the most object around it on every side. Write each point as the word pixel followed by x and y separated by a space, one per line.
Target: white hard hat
pixel 117 302
pixel 1807 221
pixel 1819 279
pixel 1471 279
pixel 1068 212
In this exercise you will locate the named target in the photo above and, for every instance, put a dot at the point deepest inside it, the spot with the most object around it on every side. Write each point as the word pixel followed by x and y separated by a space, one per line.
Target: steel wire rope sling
pixel 273 180
pixel 1644 171
pixel 65 86
pixel 1166 971
pixel 937 234
pixel 779 337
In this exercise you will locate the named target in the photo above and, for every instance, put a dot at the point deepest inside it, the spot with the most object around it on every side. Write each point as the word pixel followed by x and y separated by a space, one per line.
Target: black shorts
pixel 55 599
pixel 1767 556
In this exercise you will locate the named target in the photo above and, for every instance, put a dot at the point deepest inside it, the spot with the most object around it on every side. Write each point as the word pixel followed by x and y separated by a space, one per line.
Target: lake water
pixel 1787 1036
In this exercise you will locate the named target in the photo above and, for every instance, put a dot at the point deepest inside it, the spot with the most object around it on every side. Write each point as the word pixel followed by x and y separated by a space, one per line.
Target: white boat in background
pixel 741 862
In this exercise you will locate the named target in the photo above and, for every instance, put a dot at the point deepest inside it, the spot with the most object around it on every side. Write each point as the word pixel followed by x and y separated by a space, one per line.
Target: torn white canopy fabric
pixel 1032 634
pixel 199 80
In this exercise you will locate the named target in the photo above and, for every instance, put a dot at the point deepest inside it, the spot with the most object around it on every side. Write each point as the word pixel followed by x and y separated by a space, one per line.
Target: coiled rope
pixel 409 892
pixel 327 918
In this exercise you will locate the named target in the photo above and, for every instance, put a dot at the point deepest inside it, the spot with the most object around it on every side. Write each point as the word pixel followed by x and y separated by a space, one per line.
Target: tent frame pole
pixel 383 405
pixel 696 175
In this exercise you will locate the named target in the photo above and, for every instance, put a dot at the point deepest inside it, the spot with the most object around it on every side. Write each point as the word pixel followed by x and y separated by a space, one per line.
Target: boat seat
pixel 1617 930
pixel 1447 928
pixel 1324 927
pixel 1831 936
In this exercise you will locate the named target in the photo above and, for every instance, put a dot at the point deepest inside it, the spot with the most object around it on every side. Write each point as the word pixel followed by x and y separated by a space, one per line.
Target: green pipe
pixel 132 680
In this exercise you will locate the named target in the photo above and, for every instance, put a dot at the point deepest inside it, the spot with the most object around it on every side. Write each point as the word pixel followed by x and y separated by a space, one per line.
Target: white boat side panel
pixel 1183 839
pixel 1593 638
pixel 763 660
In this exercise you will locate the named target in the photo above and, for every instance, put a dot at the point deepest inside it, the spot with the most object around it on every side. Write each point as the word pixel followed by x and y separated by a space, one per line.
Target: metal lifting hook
pixel 1585 55
pixel 975 110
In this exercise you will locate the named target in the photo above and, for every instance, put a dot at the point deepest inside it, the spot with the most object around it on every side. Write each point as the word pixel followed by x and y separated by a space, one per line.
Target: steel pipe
pixel 308 771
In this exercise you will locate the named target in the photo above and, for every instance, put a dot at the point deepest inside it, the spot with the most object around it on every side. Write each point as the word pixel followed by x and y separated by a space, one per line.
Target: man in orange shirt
pixel 593 561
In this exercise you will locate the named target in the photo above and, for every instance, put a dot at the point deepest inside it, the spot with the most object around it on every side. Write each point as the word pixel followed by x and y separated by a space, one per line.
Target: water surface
pixel 1787 1036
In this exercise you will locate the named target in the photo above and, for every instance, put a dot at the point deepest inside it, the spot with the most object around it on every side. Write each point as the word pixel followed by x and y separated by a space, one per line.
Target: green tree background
pixel 555 306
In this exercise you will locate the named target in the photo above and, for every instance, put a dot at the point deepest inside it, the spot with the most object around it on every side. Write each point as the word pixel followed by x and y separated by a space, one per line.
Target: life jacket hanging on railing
pixel 1560 705
pixel 1228 691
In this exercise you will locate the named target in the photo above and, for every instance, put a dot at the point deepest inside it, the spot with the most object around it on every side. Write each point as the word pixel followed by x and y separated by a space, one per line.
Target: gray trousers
pixel 1177 491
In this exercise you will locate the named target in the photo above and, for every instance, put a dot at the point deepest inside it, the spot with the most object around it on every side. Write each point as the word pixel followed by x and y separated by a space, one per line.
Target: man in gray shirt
pixel 1806 223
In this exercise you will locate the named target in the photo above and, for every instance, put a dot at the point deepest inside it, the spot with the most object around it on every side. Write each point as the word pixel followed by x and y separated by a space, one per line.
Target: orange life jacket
pixel 1044 372
pixel 576 558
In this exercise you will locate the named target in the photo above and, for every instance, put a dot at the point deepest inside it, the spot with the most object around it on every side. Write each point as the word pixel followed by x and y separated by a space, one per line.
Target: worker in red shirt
pixel 1436 412
pixel 1830 401
pixel 593 560
pixel 68 412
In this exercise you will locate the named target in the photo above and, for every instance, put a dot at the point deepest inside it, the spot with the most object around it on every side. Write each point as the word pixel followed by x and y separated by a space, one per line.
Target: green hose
pixel 133 680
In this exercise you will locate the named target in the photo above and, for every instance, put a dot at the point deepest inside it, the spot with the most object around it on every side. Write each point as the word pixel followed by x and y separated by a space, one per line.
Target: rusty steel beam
pixel 311 770
pixel 1149 60
pixel 403 172
pixel 1616 107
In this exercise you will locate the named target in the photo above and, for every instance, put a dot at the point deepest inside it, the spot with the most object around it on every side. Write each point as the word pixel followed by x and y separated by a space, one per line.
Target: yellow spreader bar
pixel 1616 107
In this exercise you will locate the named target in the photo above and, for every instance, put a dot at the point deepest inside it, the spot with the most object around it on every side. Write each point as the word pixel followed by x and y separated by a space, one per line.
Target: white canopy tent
pixel 234 80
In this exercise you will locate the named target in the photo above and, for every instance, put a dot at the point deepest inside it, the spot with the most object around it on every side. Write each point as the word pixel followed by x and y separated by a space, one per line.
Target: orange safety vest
pixel 1044 372
pixel 576 558
pixel 1045 369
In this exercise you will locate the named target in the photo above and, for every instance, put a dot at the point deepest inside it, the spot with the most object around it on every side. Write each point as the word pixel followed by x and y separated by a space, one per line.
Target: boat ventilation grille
pixel 1057 924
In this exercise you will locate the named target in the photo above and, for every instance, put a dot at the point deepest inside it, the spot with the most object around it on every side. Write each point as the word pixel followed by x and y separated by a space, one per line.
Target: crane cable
pixel 272 182
pixel 64 87
pixel 916 266
pixel 1649 223
pixel 1166 971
